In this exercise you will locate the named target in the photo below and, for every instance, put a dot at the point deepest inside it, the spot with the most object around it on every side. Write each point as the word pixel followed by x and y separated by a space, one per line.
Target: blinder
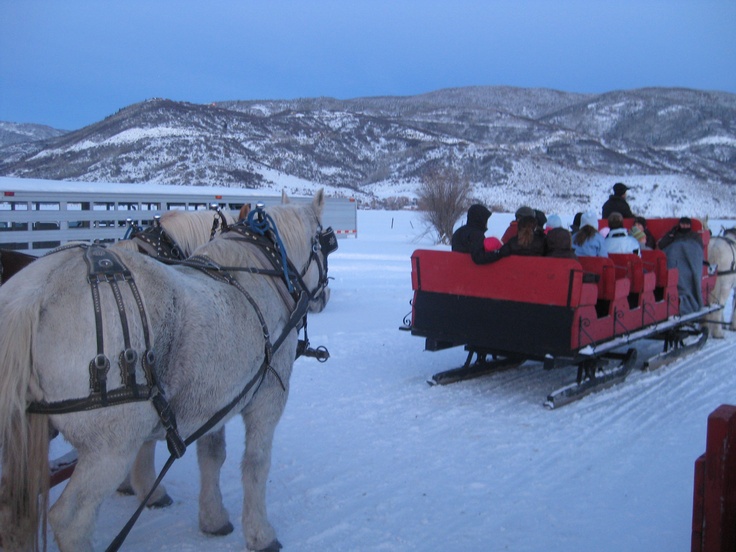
pixel 327 241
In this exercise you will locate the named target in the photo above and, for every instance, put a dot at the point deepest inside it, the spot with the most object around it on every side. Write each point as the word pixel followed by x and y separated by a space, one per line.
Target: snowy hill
pixel 559 151
pixel 16 133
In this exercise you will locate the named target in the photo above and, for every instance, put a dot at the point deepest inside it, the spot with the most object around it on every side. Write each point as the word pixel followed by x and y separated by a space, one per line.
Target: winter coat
pixel 559 244
pixel 686 255
pixel 593 247
pixel 616 204
pixel 469 237
pixel 619 241
pixel 676 234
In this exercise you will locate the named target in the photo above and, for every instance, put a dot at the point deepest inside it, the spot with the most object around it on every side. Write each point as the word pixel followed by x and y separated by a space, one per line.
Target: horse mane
pixel 290 228
pixel 190 229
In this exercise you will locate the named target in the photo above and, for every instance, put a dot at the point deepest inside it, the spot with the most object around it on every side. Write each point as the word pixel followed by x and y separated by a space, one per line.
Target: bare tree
pixel 443 197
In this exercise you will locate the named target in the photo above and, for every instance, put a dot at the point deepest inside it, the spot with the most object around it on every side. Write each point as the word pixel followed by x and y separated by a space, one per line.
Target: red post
pixel 714 497
pixel 696 543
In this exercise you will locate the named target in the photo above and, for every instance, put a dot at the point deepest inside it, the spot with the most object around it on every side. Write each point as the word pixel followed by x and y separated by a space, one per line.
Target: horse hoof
pixel 222 531
pixel 162 502
pixel 125 490
pixel 275 546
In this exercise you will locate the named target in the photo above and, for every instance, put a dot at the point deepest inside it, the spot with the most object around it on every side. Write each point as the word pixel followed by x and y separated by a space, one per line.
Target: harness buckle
pixel 174 442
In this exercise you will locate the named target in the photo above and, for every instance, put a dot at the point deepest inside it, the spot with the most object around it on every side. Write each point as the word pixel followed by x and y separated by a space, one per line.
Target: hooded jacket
pixel 619 241
pixel 470 236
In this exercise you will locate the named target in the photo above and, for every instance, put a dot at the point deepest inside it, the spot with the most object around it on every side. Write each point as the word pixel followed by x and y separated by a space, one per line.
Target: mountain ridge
pixel 513 144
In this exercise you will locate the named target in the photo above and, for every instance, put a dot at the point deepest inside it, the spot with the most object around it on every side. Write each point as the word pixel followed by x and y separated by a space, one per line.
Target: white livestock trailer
pixel 38 215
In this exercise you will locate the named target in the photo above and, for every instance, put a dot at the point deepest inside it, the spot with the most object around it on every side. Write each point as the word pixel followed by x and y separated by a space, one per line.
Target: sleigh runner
pixel 562 312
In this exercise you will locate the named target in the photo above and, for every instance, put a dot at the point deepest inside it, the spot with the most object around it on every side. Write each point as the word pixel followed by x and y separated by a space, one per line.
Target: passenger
pixel 554 221
pixel 469 238
pixel 528 242
pixel 638 234
pixel 641 223
pixel 588 242
pixel 541 220
pixel 512 229
pixel 616 202
pixel 618 239
pixel 559 244
pixel 575 226
pixel 680 231
pixel 684 250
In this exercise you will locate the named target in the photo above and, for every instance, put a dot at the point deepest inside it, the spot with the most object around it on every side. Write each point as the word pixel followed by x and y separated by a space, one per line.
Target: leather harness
pixel 105 267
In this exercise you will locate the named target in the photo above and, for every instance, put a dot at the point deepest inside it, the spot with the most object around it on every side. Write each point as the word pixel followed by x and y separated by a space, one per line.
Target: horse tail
pixel 24 438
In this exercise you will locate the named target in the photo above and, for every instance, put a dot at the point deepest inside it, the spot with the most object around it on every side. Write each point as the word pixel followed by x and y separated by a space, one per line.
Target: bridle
pixel 260 229
pixel 155 241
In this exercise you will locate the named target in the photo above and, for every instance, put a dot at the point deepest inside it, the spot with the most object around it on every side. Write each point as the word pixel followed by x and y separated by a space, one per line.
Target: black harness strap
pixel 156 242
pixel 105 267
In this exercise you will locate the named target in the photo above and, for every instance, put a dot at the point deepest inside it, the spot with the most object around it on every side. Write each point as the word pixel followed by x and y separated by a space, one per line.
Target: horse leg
pixel 95 477
pixel 260 417
pixel 143 476
pixel 720 293
pixel 213 517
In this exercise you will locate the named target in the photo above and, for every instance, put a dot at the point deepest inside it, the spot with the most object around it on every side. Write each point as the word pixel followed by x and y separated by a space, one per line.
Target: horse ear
pixel 284 198
pixel 319 201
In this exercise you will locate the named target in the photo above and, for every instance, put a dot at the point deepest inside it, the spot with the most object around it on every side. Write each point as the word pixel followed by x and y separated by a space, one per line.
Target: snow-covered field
pixel 368 457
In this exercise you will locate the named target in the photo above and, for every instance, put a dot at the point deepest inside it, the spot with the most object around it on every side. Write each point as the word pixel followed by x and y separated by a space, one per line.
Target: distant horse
pixel 195 344
pixel 722 252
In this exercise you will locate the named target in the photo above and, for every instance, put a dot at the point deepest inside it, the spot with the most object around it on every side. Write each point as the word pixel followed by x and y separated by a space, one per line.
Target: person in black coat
pixel 680 231
pixel 616 203
pixel 470 236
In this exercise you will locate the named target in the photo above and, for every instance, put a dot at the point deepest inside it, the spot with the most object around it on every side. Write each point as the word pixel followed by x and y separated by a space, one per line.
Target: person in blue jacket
pixel 588 242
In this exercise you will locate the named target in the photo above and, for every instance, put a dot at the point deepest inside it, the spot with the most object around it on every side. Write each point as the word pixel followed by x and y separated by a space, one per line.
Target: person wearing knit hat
pixel 589 219
pixel 588 242
pixel 641 223
pixel 639 235
pixel 616 202
pixel 554 221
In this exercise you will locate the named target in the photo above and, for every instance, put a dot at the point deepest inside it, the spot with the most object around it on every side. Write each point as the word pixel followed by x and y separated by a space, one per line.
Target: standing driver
pixel 616 202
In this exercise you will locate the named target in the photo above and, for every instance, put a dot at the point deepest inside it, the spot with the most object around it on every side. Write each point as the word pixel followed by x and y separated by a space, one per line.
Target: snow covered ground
pixel 368 457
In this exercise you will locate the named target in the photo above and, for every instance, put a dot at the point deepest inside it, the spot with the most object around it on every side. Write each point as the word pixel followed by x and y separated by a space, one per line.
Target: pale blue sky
pixel 69 63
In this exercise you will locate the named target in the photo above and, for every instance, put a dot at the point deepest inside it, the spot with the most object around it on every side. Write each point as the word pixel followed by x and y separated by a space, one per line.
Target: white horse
pixel 722 252
pixel 176 235
pixel 215 337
